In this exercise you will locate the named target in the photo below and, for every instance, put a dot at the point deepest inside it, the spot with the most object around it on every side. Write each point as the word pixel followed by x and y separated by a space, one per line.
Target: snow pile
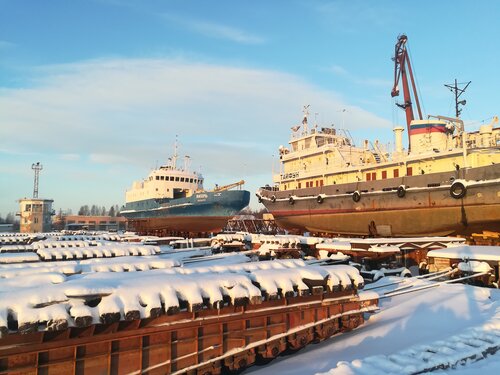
pixel 18 257
pixel 334 245
pixel 16 248
pixel 472 344
pixel 461 319
pixel 54 301
pixel 62 253
pixel 118 264
pixel 89 237
pixel 468 252
pixel 223 239
pixel 474 266
pixel 339 256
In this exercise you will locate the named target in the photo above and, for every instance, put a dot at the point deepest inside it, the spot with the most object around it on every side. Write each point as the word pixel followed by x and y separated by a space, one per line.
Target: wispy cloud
pixel 346 16
pixel 5 44
pixel 214 30
pixel 70 157
pixel 342 72
pixel 114 119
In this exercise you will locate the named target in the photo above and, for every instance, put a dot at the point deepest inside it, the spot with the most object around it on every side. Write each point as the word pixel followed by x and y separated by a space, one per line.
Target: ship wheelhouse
pixel 167 182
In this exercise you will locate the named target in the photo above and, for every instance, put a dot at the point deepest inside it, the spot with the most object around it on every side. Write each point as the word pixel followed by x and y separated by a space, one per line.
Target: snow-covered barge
pixel 174 320
pixel 468 260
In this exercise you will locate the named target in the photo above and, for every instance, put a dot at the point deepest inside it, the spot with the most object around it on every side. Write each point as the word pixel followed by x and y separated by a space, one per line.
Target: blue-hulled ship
pixel 173 199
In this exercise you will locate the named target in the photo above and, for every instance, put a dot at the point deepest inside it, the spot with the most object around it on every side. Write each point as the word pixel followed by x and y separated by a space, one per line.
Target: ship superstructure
pixel 320 157
pixel 448 181
pixel 165 183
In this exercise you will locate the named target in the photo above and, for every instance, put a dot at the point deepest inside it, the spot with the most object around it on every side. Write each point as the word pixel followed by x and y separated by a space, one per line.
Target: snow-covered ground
pixel 448 320
pixel 450 324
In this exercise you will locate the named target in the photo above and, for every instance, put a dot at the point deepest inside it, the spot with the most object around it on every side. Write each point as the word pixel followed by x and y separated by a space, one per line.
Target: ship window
pixel 28 207
pixel 300 185
pixel 384 174
pixel 177 179
pixel 162 178
pixel 157 178
pixel 368 177
pixel 191 180
pixel 409 171
pixel 374 176
pixel 317 183
pixel 320 182
pixel 171 178
pixel 396 173
pixel 182 179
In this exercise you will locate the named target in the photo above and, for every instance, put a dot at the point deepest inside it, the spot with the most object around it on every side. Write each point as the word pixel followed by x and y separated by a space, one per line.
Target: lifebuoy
pixel 356 196
pixel 458 190
pixel 273 198
pixel 291 200
pixel 319 199
pixel 401 191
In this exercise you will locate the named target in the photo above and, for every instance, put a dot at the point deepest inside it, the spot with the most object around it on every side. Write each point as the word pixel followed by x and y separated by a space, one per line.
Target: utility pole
pixel 458 92
pixel 37 168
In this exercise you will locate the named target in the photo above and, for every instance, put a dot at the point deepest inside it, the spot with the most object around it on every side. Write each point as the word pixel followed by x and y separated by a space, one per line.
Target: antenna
pixel 304 120
pixel 343 111
pixel 458 91
pixel 175 155
pixel 37 168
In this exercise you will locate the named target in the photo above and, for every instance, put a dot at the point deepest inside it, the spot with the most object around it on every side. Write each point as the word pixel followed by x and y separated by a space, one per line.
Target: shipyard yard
pixel 63 285
pixel 218 188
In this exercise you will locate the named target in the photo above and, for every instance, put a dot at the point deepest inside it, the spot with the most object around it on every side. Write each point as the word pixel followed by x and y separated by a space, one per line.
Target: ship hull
pixel 202 212
pixel 426 208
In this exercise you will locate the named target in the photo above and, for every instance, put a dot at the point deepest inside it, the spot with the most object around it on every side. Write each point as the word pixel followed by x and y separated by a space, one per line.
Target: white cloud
pixel 346 16
pixel 215 30
pixel 69 157
pixel 342 72
pixel 119 117
pixel 6 44
pixel 337 69
pixel 107 159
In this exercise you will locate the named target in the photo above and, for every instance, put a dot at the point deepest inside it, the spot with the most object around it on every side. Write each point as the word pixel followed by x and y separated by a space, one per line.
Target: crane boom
pixel 402 68
pixel 230 186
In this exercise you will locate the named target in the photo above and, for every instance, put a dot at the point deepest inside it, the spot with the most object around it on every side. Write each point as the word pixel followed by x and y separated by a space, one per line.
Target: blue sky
pixel 97 90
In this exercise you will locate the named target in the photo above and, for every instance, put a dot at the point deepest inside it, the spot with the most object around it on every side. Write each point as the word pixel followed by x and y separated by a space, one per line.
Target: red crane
pixel 402 66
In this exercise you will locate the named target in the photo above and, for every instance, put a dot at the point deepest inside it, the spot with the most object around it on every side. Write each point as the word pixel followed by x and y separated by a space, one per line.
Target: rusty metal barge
pixel 174 320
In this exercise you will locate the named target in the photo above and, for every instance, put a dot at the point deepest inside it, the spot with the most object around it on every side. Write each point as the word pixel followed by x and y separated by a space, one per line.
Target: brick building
pixel 105 223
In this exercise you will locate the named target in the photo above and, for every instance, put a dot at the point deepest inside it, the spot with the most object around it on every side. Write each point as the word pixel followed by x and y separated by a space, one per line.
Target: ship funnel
pixel 398 135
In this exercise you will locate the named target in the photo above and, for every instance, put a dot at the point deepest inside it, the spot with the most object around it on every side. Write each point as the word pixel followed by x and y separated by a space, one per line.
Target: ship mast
pixel 402 67
pixel 304 120
pixel 175 155
pixel 458 91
